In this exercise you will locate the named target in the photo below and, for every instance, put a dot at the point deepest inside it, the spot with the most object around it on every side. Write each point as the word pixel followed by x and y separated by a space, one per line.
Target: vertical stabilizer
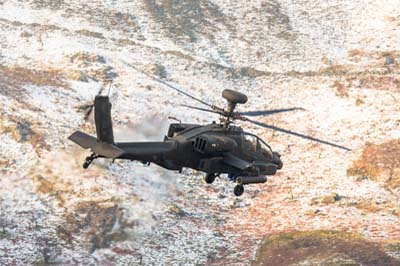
pixel 102 118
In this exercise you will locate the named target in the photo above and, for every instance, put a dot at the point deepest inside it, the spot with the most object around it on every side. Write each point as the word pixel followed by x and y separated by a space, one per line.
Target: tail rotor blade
pixel 88 108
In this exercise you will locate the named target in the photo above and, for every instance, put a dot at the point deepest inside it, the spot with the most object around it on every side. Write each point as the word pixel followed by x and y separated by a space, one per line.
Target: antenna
pixel 109 88
pixel 174 118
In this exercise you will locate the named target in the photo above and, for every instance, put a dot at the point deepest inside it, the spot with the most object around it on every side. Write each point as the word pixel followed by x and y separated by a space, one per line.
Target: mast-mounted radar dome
pixel 234 96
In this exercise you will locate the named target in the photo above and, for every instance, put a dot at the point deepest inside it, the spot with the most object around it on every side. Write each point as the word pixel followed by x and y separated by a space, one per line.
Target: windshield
pixel 257 144
pixel 264 148
pixel 251 141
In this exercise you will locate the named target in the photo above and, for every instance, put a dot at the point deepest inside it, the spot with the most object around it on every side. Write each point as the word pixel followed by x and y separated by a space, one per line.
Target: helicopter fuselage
pixel 212 148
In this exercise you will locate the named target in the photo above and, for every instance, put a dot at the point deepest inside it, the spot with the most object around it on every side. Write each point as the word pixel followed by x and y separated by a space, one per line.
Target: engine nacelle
pixel 213 144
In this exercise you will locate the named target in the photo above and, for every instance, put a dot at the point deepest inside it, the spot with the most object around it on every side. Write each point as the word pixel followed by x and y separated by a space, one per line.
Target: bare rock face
pixel 316 248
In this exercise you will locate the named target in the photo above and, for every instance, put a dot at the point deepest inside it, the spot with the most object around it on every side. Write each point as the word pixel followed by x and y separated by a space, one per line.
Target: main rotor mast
pixel 233 98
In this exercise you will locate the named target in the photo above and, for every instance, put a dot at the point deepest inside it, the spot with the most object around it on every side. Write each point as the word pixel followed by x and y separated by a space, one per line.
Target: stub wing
pixel 236 162
pixel 99 148
pixel 251 168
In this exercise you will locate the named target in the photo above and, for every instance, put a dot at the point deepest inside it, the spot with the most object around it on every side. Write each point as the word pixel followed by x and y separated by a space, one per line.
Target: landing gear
pixel 209 178
pixel 238 190
pixel 86 164
pixel 89 160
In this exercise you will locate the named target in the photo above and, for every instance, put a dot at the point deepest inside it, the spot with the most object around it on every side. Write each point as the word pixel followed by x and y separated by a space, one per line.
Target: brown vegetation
pixel 186 20
pixel 179 55
pixel 89 33
pixel 320 248
pixel 44 185
pixel 380 162
pixel 23 130
pixel 372 206
pixel 39 28
pixel 340 88
pixel 110 20
pixel 85 58
pixel 123 41
pixel 378 82
pixel 156 70
pixel 335 70
pixel 89 66
pixel 21 75
pixel 96 220
pixel 13 80
pixel 378 56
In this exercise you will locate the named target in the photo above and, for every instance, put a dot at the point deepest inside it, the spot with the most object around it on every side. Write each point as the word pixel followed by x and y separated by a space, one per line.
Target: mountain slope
pixel 337 59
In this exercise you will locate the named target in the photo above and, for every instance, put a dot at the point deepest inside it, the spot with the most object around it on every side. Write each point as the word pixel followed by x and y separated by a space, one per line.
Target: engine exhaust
pixel 243 180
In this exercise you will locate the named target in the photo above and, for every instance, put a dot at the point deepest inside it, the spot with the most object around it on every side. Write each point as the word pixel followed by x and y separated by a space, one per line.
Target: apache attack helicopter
pixel 216 148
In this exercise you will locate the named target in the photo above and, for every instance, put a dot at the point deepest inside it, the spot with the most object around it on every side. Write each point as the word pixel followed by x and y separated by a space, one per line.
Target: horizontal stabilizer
pixel 100 148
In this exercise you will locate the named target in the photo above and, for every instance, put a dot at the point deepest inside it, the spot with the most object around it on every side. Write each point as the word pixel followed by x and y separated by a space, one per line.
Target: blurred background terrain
pixel 339 60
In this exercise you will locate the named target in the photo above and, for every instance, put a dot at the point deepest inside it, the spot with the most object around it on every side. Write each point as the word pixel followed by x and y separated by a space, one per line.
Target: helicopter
pixel 215 149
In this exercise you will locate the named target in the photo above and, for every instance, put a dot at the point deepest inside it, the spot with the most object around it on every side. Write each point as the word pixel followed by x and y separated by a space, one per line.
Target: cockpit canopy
pixel 257 144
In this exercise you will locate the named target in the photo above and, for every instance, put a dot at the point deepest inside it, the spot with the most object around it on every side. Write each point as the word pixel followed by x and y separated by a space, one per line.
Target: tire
pixel 209 178
pixel 85 165
pixel 238 190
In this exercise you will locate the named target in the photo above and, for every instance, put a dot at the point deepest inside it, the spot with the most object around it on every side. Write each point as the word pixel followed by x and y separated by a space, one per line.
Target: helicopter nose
pixel 277 160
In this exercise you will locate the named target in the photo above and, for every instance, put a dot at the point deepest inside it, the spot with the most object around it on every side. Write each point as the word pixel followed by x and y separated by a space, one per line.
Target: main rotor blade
pixel 296 134
pixel 168 85
pixel 202 109
pixel 270 112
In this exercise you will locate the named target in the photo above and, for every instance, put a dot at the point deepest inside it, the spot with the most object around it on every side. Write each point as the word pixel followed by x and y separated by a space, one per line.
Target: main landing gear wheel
pixel 238 190
pixel 209 178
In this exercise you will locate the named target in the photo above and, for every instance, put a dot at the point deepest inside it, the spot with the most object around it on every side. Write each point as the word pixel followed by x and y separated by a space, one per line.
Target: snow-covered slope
pixel 337 59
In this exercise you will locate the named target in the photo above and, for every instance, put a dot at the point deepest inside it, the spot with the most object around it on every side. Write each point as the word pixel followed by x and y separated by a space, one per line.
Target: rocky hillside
pixel 339 60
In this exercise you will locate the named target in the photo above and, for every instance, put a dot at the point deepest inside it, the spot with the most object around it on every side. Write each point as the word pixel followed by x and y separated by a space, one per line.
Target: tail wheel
pixel 209 178
pixel 238 190
pixel 89 160
pixel 86 165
